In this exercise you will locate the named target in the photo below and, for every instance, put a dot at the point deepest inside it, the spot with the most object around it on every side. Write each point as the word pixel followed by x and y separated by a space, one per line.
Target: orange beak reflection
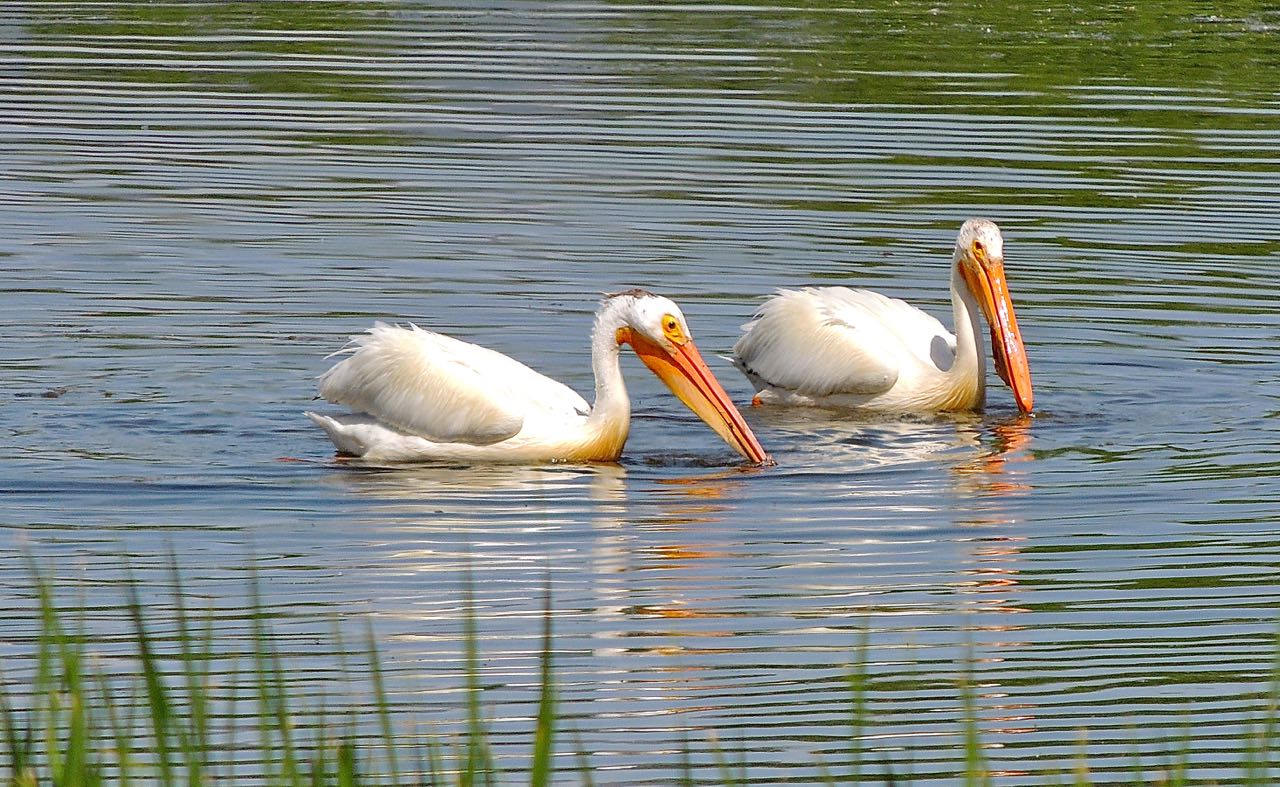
pixel 987 282
pixel 687 375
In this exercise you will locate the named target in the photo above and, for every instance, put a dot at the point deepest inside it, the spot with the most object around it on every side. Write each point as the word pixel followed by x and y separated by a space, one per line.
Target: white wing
pixel 428 384
pixel 830 340
pixel 920 334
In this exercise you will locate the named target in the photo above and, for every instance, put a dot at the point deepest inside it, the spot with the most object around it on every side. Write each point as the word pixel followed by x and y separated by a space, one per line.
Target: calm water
pixel 199 202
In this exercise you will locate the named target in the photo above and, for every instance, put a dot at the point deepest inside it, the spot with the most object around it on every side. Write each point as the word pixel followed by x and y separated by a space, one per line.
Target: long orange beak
pixel 688 377
pixel 987 282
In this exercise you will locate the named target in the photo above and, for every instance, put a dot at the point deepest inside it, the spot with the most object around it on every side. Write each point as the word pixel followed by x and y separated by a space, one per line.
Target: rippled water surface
pixel 198 202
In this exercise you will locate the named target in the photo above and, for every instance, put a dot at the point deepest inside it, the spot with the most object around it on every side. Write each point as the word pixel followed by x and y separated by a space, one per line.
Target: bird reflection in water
pixel 469 498
pixel 690 502
pixel 989 472
pixel 656 587
pixel 416 479
pixel 990 481
pixel 463 501
pixel 676 505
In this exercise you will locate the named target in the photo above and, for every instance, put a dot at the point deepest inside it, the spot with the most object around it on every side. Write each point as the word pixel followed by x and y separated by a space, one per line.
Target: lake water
pixel 201 201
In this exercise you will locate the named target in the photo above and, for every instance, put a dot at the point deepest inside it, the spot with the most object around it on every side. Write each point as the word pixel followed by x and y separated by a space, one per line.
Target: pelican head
pixel 656 329
pixel 979 261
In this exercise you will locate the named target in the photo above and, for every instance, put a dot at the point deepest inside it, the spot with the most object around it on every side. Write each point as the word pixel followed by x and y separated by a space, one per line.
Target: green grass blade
pixel 686 762
pixel 47 684
pixel 824 772
pixel 261 665
pixel 479 763
pixel 435 761
pixel 158 701
pixel 1135 762
pixel 196 741
pixel 857 680
pixel 1182 766
pixel 347 757
pixel 19 741
pixel 75 763
pixel 890 778
pixel 273 709
pixel 584 764
pixel 419 752
pixel 347 771
pixel 976 772
pixel 120 735
pixel 544 733
pixel 1267 737
pixel 233 699
pixel 1081 772
pixel 727 776
pixel 76 769
pixel 282 719
pixel 317 768
pixel 382 703
pixel 129 722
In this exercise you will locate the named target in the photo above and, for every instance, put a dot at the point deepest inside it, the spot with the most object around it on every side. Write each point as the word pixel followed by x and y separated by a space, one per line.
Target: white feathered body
pixel 420 395
pixel 841 347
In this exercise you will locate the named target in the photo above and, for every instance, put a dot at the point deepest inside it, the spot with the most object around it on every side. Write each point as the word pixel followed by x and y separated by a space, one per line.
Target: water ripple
pixel 202 202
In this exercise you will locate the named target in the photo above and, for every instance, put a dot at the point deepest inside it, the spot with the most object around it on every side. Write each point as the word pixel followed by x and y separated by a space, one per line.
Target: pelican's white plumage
pixel 842 347
pixel 420 395
pixel 437 387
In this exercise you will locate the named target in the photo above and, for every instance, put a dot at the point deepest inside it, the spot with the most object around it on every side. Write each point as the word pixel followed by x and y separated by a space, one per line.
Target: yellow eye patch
pixel 979 251
pixel 672 330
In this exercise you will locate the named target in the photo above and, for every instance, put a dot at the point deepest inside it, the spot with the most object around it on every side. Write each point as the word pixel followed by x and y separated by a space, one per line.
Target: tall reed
pixel 170 720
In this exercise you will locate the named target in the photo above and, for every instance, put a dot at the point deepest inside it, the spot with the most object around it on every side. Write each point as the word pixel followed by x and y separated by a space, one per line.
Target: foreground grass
pixel 166 720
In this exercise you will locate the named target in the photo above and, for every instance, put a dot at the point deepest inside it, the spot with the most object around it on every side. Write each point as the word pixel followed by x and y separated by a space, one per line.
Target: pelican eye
pixel 979 251
pixel 671 328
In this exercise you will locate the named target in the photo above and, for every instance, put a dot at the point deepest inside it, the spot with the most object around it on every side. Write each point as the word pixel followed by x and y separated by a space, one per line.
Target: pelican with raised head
pixel 417 395
pixel 837 347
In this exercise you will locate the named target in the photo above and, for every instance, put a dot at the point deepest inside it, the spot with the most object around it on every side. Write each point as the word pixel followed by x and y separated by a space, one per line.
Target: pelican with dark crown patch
pixel 418 395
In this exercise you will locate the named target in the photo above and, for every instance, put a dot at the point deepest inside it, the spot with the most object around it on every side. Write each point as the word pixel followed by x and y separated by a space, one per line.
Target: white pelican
pixel 419 395
pixel 834 346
